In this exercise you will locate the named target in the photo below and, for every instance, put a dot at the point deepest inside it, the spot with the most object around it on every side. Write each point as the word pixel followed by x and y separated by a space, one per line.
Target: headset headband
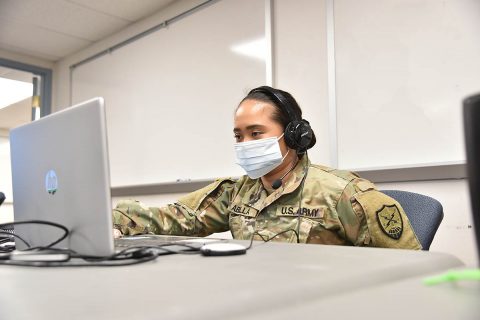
pixel 298 133
pixel 280 100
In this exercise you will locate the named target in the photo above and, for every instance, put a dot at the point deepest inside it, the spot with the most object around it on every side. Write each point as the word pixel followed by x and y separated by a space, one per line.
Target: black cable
pixel 43 222
pixel 4 240
pixel 297 232
pixel 8 231
pixel 301 194
pixel 61 264
pixel 125 257
pixel 128 256
pixel 16 236
pixel 135 250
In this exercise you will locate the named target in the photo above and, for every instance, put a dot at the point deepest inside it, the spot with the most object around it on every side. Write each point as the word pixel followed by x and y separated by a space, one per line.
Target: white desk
pixel 399 300
pixel 269 277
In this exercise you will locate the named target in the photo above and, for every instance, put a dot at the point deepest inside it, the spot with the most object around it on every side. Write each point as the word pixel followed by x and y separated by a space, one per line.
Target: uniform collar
pixel 296 176
pixel 294 180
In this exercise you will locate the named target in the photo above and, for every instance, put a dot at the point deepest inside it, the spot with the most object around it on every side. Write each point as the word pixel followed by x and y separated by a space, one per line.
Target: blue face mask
pixel 259 157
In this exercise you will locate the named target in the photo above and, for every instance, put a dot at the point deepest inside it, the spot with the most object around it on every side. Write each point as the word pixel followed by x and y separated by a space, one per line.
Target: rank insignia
pixel 390 221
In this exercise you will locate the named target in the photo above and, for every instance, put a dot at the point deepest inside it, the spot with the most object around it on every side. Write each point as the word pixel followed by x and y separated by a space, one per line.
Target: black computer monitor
pixel 471 119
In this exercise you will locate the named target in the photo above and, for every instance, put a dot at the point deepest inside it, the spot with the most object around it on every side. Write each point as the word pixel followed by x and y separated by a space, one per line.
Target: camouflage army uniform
pixel 337 207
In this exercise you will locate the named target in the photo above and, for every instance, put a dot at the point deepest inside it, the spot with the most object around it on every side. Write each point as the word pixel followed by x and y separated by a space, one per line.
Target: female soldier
pixel 282 194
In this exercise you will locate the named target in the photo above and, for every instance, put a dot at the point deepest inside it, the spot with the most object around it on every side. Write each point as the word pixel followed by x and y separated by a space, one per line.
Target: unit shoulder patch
pixel 390 221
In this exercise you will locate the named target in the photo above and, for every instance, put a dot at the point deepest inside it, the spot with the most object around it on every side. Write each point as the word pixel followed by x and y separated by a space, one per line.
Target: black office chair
pixel 424 213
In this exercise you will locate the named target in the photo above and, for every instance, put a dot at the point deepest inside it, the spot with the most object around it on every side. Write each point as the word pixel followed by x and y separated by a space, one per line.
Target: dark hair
pixel 280 115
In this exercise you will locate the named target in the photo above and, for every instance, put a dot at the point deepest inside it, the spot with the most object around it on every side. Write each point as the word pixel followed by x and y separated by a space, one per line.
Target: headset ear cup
pixel 298 135
pixel 290 135
pixel 305 136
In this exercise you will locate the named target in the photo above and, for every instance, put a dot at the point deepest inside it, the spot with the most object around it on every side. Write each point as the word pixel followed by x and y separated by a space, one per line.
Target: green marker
pixel 453 276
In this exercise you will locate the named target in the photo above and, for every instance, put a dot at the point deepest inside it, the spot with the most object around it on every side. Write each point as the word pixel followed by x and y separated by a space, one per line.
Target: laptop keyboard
pixel 155 240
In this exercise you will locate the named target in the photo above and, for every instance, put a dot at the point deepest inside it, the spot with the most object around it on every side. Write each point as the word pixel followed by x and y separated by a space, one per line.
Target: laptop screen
pixel 60 174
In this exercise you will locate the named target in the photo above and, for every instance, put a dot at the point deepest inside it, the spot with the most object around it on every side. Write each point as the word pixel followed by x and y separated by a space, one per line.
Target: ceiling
pixel 53 29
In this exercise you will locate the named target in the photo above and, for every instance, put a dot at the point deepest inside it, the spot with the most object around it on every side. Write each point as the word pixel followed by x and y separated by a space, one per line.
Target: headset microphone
pixel 278 183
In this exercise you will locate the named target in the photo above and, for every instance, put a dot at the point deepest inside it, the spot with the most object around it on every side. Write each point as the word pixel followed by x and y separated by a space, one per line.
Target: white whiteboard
pixel 170 96
pixel 301 65
pixel 402 69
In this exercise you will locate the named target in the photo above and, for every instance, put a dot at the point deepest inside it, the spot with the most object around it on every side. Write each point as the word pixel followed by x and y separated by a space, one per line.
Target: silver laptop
pixel 60 173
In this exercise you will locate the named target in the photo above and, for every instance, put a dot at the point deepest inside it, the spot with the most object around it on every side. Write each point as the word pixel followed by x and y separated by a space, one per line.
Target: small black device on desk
pixel 4 233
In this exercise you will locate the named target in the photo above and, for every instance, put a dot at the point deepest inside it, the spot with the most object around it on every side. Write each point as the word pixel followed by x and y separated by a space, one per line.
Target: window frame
pixel 45 83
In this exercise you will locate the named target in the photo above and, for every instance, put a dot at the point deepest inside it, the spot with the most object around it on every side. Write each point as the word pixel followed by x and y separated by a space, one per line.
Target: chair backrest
pixel 424 213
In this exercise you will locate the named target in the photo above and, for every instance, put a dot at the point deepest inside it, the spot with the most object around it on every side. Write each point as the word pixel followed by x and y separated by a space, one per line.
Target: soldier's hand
pixel 117 233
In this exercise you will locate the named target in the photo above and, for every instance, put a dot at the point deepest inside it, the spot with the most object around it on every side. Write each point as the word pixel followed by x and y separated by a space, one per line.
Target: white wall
pixel 403 68
pixel 61 76
pixel 300 64
pixel 6 212
pixel 300 67
pixel 180 88
pixel 303 72
pixel 6 209
pixel 5 171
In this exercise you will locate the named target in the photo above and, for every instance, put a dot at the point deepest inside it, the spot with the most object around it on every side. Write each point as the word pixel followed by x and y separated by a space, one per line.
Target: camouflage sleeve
pixel 199 213
pixel 371 218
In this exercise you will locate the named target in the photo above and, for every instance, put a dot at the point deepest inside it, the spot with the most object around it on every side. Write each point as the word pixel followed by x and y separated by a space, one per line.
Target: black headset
pixel 298 133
